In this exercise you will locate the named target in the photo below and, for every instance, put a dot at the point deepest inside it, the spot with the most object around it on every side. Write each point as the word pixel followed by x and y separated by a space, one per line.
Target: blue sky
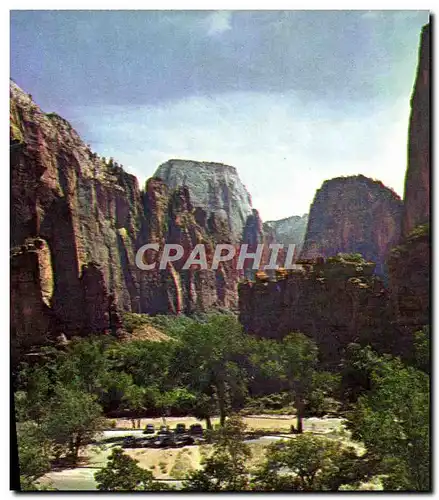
pixel 290 98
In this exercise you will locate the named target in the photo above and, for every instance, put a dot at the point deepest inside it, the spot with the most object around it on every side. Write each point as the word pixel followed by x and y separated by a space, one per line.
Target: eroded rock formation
pixel 353 215
pixel 92 218
pixel 409 262
pixel 171 218
pixel 86 210
pixel 417 181
pixel 334 302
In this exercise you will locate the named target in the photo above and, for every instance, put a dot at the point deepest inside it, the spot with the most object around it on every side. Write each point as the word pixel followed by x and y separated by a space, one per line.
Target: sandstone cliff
pixel 334 302
pixel 409 262
pixel 171 218
pixel 353 215
pixel 214 187
pixel 417 181
pixel 77 222
pixel 409 280
pixel 85 211
pixel 341 300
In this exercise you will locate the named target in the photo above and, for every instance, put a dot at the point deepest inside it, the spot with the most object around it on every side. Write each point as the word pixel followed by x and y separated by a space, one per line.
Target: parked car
pixel 164 429
pixel 149 429
pixel 184 440
pixel 196 430
pixel 180 429
pixel 164 440
pixel 130 442
pixel 146 442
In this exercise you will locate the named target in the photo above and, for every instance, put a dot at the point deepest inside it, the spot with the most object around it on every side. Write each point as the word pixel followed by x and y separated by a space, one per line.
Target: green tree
pixel 123 474
pixel 34 453
pixel 208 358
pixel 393 421
pixel 73 419
pixel 421 343
pixel 147 362
pixel 292 365
pixel 299 363
pixel 225 469
pixel 85 363
pixel 32 402
pixel 135 398
pixel 309 463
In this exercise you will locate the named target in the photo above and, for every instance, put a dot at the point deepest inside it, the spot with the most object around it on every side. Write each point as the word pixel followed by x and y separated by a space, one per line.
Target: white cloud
pixel 218 22
pixel 283 148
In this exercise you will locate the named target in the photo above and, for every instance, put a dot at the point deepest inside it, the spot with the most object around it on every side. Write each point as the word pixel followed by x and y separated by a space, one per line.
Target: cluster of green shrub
pixel 212 368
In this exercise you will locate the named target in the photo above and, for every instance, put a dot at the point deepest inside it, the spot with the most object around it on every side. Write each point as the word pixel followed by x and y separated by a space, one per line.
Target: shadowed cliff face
pixel 353 215
pixel 91 218
pixel 409 262
pixel 335 303
pixel 417 181
pixel 409 280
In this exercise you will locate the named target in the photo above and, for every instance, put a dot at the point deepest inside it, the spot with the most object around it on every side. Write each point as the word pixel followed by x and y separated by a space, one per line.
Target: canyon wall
pixel 417 181
pixel 79 207
pixel 334 302
pixel 85 218
pixel 339 300
pixel 409 262
pixel 353 215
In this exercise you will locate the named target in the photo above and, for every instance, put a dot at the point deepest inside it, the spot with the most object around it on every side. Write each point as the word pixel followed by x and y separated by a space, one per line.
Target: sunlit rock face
pixel 89 218
pixel 214 187
pixel 353 215
pixel 85 209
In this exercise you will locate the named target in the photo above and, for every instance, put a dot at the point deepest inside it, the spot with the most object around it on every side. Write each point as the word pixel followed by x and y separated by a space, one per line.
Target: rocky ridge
pixel 409 262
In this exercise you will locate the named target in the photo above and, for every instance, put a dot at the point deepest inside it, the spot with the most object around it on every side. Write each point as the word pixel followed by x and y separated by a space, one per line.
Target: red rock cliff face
pixel 409 262
pixel 85 210
pixel 170 218
pixel 338 302
pixel 353 215
pixel 417 181
pixel 92 218
pixel 335 303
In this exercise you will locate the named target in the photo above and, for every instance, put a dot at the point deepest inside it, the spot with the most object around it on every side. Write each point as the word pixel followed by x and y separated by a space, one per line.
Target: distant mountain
pixel 214 187
pixel 290 230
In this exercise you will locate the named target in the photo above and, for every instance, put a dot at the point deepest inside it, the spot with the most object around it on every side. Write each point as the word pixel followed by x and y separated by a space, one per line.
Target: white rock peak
pixel 214 187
